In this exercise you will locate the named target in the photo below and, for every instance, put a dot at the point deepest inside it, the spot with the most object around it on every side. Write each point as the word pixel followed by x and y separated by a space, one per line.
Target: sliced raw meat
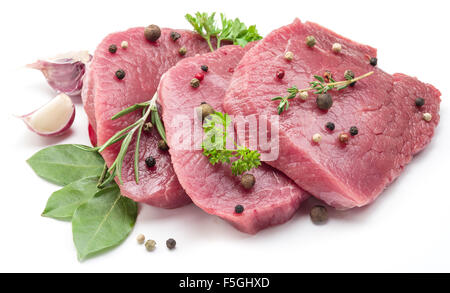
pixel 143 63
pixel 382 107
pixel 88 95
pixel 273 200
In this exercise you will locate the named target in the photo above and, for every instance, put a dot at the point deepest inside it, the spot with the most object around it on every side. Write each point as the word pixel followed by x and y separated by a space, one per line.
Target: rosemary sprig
pixel 214 146
pixel 126 135
pixel 319 86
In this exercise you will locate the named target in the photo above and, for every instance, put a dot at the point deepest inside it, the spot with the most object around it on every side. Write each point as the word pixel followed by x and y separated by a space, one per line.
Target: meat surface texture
pixel 105 95
pixel 273 200
pixel 382 107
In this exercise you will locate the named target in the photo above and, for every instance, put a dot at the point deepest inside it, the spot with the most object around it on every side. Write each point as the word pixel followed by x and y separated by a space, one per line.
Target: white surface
pixel 406 229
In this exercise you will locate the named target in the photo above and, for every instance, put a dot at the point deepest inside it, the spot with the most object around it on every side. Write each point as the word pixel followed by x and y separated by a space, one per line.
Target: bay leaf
pixel 63 203
pixel 66 163
pixel 103 222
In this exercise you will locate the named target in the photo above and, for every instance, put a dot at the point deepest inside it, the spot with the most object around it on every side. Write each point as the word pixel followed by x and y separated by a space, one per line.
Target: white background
pixel 405 230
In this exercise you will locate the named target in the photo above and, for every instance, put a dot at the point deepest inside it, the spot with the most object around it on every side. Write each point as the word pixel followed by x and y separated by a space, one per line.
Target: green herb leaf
pixel 156 120
pixel 247 160
pixel 63 203
pixel 237 32
pixel 231 30
pixel 214 146
pixel 129 110
pixel 205 25
pixel 247 36
pixel 103 222
pixel 66 163
pixel 319 78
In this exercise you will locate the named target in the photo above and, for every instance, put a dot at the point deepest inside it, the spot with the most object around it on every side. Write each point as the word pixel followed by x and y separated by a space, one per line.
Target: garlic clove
pixel 65 72
pixel 52 119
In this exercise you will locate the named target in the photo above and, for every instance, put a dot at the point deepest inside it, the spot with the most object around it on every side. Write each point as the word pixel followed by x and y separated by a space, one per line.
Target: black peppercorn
pixel 373 61
pixel 171 243
pixel 239 209
pixel 353 130
pixel 162 145
pixel 120 74
pixel 150 162
pixel 319 214
pixel 175 36
pixel 324 101
pixel 204 68
pixel 112 49
pixel 420 102
pixel 152 33
pixel 247 181
pixel 330 126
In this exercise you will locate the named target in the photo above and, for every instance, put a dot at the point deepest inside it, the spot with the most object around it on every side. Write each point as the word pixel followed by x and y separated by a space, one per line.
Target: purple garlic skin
pixel 65 72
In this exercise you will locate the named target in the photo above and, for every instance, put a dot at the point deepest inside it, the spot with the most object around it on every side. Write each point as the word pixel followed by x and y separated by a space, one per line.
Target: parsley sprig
pixel 214 146
pixel 231 30
pixel 319 86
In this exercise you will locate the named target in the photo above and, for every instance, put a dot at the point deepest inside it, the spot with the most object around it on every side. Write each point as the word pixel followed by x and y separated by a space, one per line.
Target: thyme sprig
pixel 319 86
pixel 284 101
pixel 149 109
pixel 214 146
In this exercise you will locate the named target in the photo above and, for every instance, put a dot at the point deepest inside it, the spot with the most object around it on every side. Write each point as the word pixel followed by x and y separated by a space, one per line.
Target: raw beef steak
pixel 104 94
pixel 391 128
pixel 273 200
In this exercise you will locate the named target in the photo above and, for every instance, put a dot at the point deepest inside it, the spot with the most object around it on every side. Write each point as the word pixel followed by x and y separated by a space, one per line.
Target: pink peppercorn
pixel 199 76
pixel 280 74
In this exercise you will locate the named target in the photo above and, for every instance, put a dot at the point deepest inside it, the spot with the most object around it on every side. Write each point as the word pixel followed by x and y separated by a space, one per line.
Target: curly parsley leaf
pixel 214 146
pixel 247 160
pixel 247 36
pixel 204 25
pixel 231 30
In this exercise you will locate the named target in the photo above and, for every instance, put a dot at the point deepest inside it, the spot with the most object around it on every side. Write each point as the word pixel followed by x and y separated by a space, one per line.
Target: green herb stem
pixel 126 135
pixel 319 86
pixel 340 83
pixel 103 175
pixel 208 40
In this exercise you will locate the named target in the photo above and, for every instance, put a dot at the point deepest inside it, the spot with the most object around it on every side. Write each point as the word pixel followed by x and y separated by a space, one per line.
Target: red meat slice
pixel 273 200
pixel 382 107
pixel 104 95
